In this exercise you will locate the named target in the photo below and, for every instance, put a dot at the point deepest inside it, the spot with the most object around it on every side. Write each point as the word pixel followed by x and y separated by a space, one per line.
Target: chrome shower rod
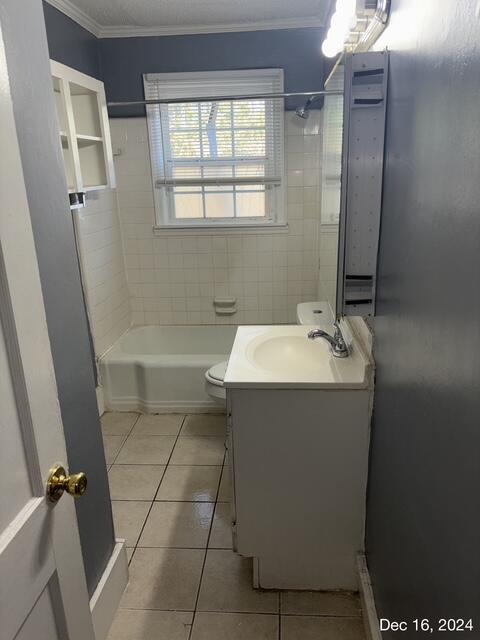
pixel 247 96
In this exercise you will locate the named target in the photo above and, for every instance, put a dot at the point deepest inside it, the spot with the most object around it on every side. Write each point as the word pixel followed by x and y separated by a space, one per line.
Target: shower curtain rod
pixel 248 96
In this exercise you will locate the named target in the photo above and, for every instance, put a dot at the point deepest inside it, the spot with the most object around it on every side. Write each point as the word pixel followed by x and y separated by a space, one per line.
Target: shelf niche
pixel 84 129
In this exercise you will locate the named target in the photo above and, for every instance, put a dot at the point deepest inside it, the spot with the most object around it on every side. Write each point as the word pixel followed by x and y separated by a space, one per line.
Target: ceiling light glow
pixel 343 20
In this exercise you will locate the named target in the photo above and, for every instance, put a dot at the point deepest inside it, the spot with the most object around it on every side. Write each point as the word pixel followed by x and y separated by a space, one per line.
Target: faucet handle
pixel 338 334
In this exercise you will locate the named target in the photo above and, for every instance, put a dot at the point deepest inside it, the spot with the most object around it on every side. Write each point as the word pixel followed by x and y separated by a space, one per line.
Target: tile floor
pixel 169 483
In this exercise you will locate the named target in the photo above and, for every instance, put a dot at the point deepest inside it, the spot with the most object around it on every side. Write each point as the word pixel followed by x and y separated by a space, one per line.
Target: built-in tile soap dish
pixel 225 306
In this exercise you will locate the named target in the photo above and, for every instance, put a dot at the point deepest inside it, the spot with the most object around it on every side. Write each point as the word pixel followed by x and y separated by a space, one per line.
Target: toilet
pixel 308 313
pixel 214 382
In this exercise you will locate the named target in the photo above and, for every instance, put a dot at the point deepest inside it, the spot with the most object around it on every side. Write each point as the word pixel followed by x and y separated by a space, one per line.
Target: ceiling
pixel 117 18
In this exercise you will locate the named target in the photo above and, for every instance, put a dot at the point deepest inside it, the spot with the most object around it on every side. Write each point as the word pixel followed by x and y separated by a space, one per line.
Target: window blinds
pixel 215 143
pixel 332 149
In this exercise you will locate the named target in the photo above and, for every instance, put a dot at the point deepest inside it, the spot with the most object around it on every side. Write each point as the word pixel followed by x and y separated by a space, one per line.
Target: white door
pixel 43 594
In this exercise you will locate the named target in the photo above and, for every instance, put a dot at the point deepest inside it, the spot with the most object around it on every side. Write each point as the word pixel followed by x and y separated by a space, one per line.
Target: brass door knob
pixel 58 482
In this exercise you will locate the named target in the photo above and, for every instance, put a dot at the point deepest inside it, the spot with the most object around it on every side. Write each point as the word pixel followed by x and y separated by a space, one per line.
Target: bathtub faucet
pixel 337 342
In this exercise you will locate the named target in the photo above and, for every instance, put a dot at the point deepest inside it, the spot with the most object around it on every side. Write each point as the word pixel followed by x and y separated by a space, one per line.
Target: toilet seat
pixel 214 378
pixel 216 374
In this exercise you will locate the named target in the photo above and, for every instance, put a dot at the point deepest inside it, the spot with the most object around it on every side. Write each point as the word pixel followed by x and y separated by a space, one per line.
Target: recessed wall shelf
pixel 84 129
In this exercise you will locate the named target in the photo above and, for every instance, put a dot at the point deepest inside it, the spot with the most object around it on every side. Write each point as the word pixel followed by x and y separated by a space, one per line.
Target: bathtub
pixel 159 369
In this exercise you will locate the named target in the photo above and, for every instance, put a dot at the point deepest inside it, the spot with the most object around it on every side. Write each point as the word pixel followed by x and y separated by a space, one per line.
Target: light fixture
pixel 343 20
pixel 351 24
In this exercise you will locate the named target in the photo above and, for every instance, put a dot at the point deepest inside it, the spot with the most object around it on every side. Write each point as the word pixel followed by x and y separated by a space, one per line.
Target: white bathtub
pixel 161 368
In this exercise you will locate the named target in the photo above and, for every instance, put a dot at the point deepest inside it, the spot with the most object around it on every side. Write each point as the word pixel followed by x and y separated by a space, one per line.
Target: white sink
pixel 293 353
pixel 283 356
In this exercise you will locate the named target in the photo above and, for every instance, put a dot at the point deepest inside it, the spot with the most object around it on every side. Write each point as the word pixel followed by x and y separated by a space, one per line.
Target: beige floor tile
pixel 128 518
pixel 313 628
pixel 203 450
pixel 167 424
pixel 134 481
pixel 150 625
pixel 225 492
pixel 320 603
pixel 164 579
pixel 130 551
pixel 234 626
pixel 205 424
pixel 112 445
pixel 227 586
pixel 116 423
pixel 221 535
pixel 190 483
pixel 178 524
pixel 146 450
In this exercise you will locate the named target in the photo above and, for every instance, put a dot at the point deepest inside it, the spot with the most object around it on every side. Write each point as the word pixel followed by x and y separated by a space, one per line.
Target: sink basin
pixel 282 356
pixel 296 354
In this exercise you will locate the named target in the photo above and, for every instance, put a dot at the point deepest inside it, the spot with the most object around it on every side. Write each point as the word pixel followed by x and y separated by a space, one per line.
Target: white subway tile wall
pixel 173 279
pixel 103 268
pixel 327 282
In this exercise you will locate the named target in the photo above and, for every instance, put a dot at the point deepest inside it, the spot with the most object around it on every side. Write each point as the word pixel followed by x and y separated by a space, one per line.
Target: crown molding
pixel 76 14
pixel 85 21
pixel 183 30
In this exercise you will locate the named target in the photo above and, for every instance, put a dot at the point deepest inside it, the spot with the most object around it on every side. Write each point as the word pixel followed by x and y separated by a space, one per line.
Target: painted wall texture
pixel 120 62
pixel 71 44
pixel 37 130
pixel 423 522
pixel 124 60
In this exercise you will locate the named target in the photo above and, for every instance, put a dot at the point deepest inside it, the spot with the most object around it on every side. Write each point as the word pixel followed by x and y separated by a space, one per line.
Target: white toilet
pixel 308 313
pixel 214 382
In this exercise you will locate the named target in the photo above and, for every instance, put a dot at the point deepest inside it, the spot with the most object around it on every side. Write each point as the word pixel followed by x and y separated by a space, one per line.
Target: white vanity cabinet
pixel 299 459
pixel 84 129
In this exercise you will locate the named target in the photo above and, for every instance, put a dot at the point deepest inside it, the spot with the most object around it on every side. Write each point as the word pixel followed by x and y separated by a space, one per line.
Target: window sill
pixel 218 230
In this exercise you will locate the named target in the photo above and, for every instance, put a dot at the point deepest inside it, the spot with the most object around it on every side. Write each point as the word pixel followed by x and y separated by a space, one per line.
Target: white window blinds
pixel 216 161
pixel 332 149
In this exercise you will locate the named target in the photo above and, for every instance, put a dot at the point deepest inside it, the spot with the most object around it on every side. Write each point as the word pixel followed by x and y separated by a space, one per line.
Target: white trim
pixel 134 403
pixel 84 20
pixel 77 15
pixel 194 29
pixel 220 230
pixel 100 400
pixel 370 618
pixel 106 597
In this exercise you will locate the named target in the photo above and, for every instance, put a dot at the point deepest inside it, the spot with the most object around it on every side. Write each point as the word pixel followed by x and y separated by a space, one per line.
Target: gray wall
pixel 71 44
pixel 120 62
pixel 124 60
pixel 423 527
pixel 37 129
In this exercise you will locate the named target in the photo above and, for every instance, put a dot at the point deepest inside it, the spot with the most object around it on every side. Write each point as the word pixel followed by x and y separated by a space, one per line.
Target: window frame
pixel 274 194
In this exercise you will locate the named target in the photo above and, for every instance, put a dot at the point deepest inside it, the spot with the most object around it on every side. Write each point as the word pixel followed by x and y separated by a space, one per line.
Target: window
pixel 332 149
pixel 216 163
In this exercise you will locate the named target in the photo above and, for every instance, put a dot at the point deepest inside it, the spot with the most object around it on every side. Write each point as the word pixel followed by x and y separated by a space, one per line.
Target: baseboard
pixel 100 400
pixel 370 618
pixel 161 406
pixel 106 598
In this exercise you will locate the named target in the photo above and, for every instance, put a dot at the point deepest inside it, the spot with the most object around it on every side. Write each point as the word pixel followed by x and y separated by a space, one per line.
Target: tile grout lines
pixel 206 547
pixel 157 490
pixel 215 503
pixel 124 440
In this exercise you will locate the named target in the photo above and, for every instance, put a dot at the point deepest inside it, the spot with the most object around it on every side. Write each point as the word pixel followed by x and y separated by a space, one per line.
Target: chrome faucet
pixel 337 342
